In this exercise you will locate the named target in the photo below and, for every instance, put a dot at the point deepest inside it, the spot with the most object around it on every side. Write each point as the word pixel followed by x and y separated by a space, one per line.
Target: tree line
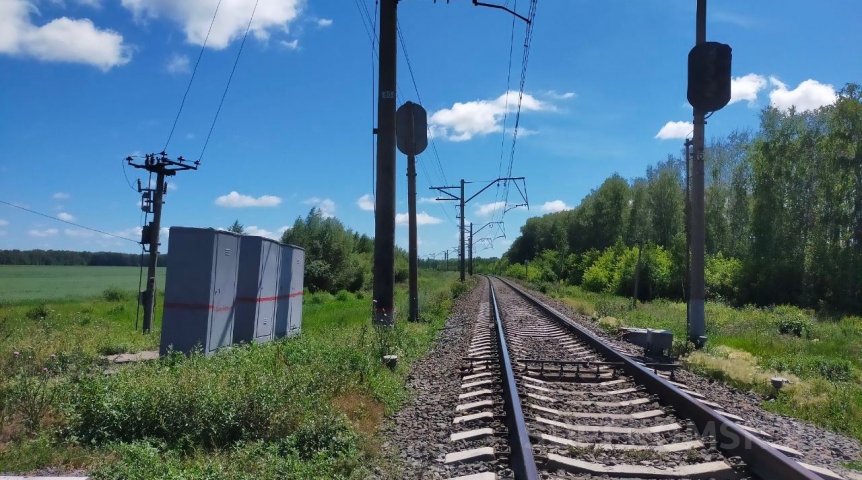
pixel 72 258
pixel 783 219
pixel 336 257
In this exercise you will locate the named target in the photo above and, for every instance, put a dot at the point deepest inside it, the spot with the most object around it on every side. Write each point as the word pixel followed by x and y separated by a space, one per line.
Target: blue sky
pixel 87 82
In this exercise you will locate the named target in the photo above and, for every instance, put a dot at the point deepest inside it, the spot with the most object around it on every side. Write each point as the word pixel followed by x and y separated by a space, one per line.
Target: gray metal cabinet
pixel 200 289
pixel 288 314
pixel 257 289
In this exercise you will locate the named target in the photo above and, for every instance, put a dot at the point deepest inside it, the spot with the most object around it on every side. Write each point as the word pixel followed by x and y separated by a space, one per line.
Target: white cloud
pixel 428 200
pixel 61 196
pixel 326 206
pixel 489 208
pixel 134 233
pixel 195 17
pixel 260 232
pixel 178 64
pixel 291 45
pixel 237 200
pixel 554 206
pixel 43 233
pixel 366 202
pixel 422 218
pixel 809 95
pixel 559 96
pixel 4 223
pixel 65 216
pixel 77 233
pixel 480 117
pixel 746 88
pixel 60 40
pixel 324 22
pixel 675 130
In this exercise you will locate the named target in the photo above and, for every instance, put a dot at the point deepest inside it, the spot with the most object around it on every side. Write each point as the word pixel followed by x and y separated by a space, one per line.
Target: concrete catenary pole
pixel 384 218
pixel 470 249
pixel 461 258
pixel 697 320
pixel 155 226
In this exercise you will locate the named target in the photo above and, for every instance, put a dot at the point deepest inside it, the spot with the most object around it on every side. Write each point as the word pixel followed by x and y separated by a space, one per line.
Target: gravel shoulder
pixel 819 446
pixel 415 439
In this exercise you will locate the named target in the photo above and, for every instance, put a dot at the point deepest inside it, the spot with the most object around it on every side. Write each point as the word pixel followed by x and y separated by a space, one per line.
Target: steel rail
pixel 759 457
pixel 522 462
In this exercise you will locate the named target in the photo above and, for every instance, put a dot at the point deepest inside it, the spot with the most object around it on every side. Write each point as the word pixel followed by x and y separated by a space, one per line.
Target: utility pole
pixel 162 166
pixel 697 314
pixel 687 281
pixel 471 248
pixel 461 243
pixel 384 217
pixel 446 257
pixel 464 201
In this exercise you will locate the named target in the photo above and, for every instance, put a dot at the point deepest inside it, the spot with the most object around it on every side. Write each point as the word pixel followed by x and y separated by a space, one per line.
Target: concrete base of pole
pixel 697 323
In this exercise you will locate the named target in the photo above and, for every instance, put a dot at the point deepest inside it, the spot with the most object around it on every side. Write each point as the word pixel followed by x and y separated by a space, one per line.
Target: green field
pixel 305 407
pixel 20 283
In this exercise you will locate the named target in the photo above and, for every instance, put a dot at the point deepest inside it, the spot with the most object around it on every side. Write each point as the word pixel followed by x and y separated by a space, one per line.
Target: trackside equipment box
pixel 256 289
pixel 288 312
pixel 200 289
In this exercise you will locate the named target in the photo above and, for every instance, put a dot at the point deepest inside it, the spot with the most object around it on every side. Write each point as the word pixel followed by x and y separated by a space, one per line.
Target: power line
pixel 66 221
pixel 238 54
pixel 371 33
pixel 419 97
pixel 123 161
pixel 528 38
pixel 506 111
pixel 194 71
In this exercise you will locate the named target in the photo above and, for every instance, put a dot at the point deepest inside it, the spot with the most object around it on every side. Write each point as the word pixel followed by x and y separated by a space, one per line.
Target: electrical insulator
pixel 709 76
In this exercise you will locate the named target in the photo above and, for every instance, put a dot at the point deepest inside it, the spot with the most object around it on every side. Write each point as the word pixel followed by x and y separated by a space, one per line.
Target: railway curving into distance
pixel 542 397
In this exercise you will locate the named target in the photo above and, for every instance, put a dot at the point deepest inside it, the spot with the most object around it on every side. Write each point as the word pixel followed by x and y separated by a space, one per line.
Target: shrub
pixel 343 296
pixel 327 434
pixel 792 321
pixel 38 312
pixel 114 294
pixel 319 298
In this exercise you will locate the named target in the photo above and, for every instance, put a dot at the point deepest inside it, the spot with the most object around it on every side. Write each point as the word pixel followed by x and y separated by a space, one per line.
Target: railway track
pixel 541 397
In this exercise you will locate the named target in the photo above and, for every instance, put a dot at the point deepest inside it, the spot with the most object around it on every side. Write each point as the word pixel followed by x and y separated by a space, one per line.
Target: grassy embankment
pixel 305 407
pixel 746 347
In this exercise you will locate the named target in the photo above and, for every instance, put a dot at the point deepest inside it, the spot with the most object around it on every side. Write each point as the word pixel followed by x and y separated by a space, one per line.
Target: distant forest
pixel 70 258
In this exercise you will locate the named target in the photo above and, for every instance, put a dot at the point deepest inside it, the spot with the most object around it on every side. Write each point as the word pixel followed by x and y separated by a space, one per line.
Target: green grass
pixel 747 346
pixel 41 283
pixel 304 407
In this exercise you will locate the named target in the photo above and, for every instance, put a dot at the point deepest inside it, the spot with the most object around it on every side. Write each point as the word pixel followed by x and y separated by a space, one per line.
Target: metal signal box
pixel 200 289
pixel 288 313
pixel 257 289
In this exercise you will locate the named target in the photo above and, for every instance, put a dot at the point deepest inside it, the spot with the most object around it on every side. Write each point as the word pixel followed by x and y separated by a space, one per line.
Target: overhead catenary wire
pixel 66 221
pixel 505 111
pixel 528 38
pixel 192 79
pixel 229 79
